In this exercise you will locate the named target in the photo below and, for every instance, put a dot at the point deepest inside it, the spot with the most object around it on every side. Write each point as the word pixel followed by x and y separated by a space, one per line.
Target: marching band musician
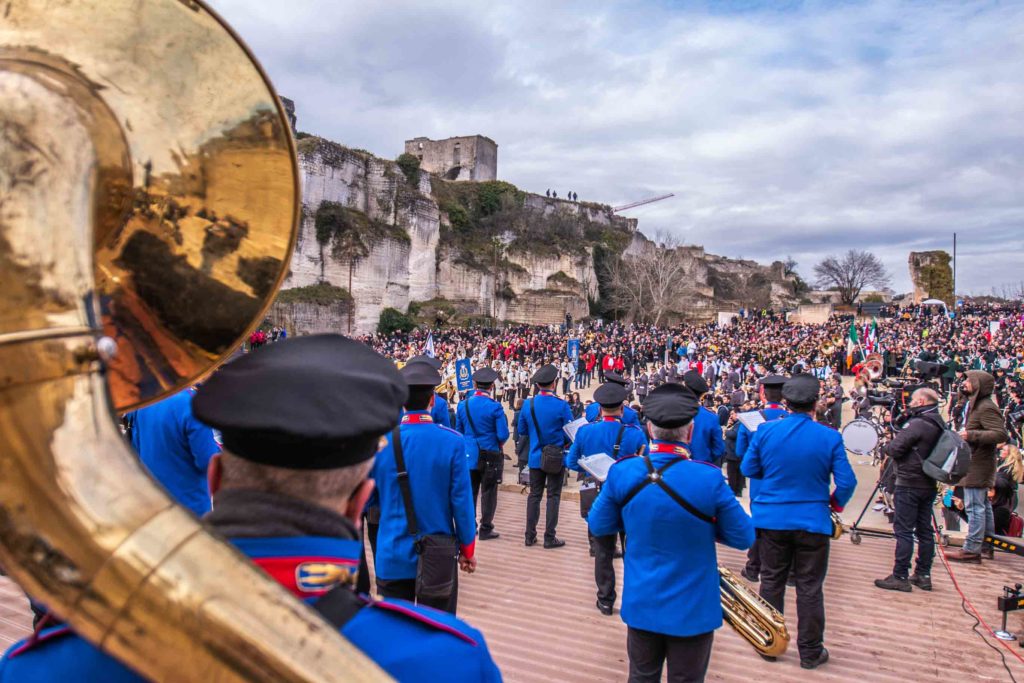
pixel 434 460
pixel 629 416
pixel 796 460
pixel 614 438
pixel 439 411
pixel 770 390
pixel 707 444
pixel 541 421
pixel 482 421
pixel 671 596
pixel 288 490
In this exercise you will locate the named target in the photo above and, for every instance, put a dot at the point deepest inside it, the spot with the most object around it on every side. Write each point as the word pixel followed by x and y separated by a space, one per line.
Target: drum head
pixel 860 437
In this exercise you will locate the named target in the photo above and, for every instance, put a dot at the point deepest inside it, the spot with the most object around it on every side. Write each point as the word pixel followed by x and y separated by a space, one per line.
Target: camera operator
pixel 915 492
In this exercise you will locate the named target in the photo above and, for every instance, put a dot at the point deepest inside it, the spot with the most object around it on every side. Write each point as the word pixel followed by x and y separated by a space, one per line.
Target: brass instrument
pixel 837 526
pixel 759 623
pixel 874 366
pixel 148 202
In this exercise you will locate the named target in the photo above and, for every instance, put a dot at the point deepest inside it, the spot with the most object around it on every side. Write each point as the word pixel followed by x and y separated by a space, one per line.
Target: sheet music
pixel 597 465
pixel 573 427
pixel 751 420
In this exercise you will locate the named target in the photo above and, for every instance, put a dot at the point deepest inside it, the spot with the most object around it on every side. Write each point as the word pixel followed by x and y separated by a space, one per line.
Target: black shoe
pixel 894 583
pixel 488 535
pixel 815 663
pixel 749 576
pixel 605 609
pixel 531 541
pixel 555 543
pixel 922 581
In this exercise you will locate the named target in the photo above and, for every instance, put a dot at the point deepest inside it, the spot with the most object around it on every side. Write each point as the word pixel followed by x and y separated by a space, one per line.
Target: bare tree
pixel 647 283
pixel 851 274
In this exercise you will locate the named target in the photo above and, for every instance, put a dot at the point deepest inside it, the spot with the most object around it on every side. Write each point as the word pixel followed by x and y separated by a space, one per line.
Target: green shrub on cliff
pixel 350 233
pixel 321 293
pixel 410 167
pixel 393 320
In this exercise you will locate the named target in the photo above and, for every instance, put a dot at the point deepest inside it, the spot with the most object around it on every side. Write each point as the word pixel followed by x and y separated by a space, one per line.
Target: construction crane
pixel 649 200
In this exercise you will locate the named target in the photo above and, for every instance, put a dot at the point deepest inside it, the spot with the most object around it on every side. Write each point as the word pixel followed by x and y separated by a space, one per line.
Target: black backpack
pixel 949 459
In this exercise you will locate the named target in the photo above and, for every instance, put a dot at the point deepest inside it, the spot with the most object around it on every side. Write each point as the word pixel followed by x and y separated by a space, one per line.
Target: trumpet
pixel 751 616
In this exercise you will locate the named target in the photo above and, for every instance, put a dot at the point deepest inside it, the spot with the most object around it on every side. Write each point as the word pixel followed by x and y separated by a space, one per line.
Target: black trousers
pixel 604 568
pixel 754 556
pixel 488 499
pixel 540 480
pixel 737 481
pixel 405 589
pixel 913 517
pixel 363 580
pixel 807 554
pixel 687 657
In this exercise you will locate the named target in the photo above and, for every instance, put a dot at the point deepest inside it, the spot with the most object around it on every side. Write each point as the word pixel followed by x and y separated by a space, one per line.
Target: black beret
pixel 316 402
pixel 773 380
pixel 485 376
pixel 802 389
pixel 671 405
pixel 615 378
pixel 420 374
pixel 610 395
pixel 546 375
pixel 695 382
pixel 432 362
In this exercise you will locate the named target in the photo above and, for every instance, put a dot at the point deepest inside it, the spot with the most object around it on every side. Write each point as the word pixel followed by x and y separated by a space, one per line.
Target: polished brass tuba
pixel 148 198
pixel 759 623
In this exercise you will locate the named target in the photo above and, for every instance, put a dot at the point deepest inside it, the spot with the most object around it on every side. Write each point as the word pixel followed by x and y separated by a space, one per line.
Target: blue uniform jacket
pixel 176 448
pixel 796 460
pixel 411 643
pixel 490 422
pixel 707 444
pixel 671 583
pixel 442 497
pixel 552 414
pixel 629 416
pixel 440 413
pixel 743 441
pixel 599 437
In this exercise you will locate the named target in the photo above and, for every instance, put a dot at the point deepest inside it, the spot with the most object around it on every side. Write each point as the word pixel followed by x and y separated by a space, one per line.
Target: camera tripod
pixel 857 532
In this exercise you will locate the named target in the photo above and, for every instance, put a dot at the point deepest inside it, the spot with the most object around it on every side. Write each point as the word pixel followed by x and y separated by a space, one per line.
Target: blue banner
pixel 573 349
pixel 463 375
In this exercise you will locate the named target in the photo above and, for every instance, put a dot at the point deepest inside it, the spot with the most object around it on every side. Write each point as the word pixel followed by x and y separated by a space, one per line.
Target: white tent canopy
pixel 934 302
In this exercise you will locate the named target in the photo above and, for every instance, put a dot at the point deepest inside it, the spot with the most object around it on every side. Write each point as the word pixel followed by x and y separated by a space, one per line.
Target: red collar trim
pixel 481 393
pixel 309 576
pixel 610 418
pixel 416 418
pixel 545 393
pixel 772 406
pixel 670 448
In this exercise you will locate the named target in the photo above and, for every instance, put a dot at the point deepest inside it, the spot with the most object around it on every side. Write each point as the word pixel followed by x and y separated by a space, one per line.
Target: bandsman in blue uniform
pixel 483 423
pixel 288 491
pixel 617 440
pixel 770 392
pixel 629 416
pixel 433 459
pixel 439 411
pixel 673 510
pixel 797 460
pixel 707 444
pixel 541 421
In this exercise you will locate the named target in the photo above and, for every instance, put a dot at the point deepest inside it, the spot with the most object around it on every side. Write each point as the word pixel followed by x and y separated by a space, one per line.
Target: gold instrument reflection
pixel 148 194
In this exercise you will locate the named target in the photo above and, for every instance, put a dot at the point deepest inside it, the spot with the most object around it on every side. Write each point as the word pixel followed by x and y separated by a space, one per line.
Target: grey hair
pixel 671 433
pixel 328 488
pixel 930 395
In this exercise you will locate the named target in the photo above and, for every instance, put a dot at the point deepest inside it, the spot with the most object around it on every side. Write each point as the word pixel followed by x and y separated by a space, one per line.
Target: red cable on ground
pixel 977 615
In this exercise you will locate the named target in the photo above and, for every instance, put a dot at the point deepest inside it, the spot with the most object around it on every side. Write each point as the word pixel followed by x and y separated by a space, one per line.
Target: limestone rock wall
pixel 301 317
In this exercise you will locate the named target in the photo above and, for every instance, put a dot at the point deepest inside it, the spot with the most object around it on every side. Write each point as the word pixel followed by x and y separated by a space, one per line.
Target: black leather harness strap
pixel 656 476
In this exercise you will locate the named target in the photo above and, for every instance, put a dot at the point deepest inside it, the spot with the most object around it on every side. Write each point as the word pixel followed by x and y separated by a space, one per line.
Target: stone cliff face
pixel 482 249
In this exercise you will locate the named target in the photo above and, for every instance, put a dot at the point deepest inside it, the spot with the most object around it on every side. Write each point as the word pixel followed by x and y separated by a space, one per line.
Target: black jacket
pixel 912 444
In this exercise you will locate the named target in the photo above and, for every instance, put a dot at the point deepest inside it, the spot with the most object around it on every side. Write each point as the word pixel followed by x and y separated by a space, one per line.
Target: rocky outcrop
pixel 932 275
pixel 394 236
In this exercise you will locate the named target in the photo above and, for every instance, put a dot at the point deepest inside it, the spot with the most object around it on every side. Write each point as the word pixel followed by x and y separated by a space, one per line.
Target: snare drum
pixel 860 436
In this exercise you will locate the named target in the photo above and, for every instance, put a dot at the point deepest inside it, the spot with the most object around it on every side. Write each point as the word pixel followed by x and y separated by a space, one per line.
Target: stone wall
pixel 931 275
pixel 472 157
pixel 301 317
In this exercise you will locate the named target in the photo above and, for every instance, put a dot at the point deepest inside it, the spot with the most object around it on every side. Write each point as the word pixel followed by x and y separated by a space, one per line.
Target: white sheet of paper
pixel 573 427
pixel 597 465
pixel 751 420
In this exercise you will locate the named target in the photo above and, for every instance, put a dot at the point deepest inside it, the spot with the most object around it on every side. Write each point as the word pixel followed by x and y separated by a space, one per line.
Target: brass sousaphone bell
pixel 148 203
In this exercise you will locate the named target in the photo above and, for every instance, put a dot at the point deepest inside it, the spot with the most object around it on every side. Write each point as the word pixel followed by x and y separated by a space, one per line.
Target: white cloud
pixel 883 125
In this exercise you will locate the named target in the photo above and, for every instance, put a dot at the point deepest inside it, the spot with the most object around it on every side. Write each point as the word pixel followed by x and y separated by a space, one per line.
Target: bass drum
pixel 860 436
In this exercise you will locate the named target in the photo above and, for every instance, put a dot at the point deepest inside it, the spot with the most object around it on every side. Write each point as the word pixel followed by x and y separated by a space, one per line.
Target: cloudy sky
pixel 783 128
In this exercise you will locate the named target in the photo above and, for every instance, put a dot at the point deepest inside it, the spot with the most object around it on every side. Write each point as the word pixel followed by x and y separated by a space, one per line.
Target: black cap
pixel 610 395
pixel 615 378
pixel 546 375
pixel 695 382
pixel 306 403
pixel 420 374
pixel 802 389
pixel 485 376
pixel 797 369
pixel 432 362
pixel 670 406
pixel 773 380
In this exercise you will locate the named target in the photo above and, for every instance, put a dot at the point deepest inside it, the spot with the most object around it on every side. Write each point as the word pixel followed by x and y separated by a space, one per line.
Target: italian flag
pixel 851 344
pixel 872 335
